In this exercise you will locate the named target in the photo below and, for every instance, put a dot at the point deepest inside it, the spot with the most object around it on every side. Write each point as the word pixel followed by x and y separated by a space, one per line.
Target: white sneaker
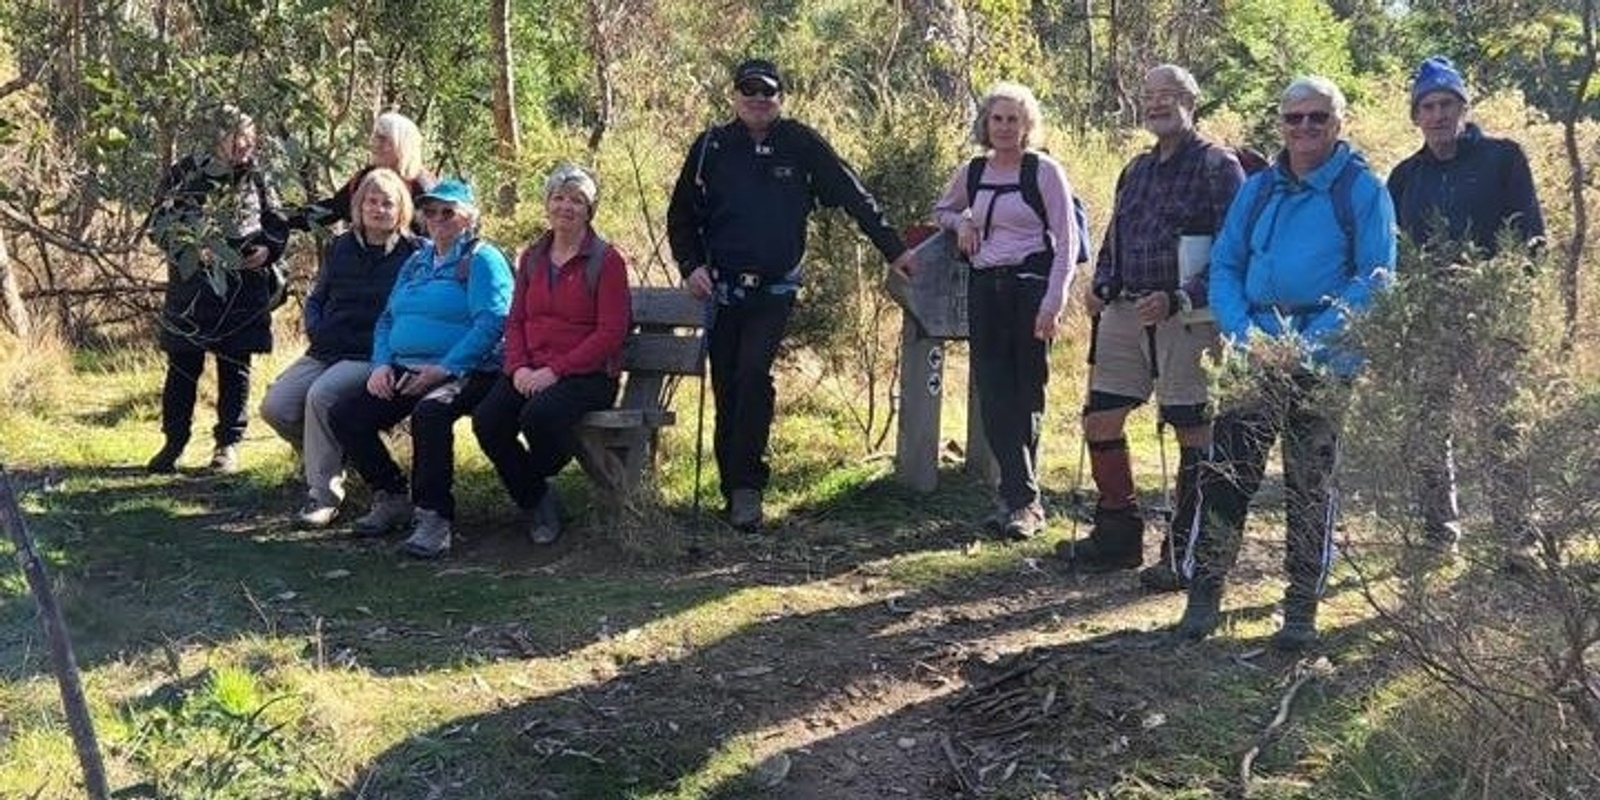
pixel 316 514
pixel 431 537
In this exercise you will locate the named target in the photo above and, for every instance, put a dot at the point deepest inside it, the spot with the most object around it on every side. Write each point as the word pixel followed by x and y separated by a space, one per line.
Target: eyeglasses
pixel 754 88
pixel 445 213
pixel 1294 119
pixel 1165 96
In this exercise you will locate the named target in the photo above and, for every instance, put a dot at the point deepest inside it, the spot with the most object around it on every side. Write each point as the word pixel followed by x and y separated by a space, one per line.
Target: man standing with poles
pixel 1150 325
pixel 737 226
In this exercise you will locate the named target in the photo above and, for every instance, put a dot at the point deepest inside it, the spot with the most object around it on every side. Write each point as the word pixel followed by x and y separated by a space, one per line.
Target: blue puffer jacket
pixel 447 311
pixel 1293 275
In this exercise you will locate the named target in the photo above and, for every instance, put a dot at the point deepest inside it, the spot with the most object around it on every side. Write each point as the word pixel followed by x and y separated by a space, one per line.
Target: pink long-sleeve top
pixel 1016 231
pixel 562 323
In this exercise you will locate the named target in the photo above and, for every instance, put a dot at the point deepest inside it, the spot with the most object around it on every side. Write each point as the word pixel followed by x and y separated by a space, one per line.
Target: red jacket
pixel 561 324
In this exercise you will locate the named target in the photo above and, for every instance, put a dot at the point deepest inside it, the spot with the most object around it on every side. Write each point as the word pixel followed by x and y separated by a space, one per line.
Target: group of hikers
pixel 418 319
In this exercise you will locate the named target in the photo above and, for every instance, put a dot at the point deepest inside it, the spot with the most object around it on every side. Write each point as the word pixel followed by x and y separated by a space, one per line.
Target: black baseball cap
pixel 758 69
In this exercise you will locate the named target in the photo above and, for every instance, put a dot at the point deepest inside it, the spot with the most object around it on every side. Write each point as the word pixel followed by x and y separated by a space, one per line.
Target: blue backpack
pixel 1028 185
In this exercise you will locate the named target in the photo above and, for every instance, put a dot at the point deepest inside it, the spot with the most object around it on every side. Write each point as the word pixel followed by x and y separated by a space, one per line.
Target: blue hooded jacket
pixel 1292 276
pixel 435 317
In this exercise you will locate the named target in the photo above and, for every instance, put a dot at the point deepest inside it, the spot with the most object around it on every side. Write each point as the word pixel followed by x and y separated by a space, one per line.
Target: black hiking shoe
pixel 1115 543
pixel 1202 614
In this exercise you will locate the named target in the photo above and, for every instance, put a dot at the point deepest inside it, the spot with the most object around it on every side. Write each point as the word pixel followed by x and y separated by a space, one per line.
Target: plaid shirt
pixel 1156 203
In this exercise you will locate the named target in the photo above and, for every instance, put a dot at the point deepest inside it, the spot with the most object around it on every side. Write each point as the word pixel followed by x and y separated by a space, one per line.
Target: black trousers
pixel 545 422
pixel 359 420
pixel 1011 368
pixel 743 344
pixel 182 385
pixel 1306 412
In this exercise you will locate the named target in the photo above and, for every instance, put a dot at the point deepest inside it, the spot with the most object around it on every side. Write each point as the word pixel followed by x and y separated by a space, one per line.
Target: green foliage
pixel 1266 43
pixel 217 736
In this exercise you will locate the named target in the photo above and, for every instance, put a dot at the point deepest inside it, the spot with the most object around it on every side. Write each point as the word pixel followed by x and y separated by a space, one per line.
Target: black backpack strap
pixel 597 260
pixel 975 179
pixel 1031 194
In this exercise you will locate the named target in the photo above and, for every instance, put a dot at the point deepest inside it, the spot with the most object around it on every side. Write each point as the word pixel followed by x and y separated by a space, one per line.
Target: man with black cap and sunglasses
pixel 737 226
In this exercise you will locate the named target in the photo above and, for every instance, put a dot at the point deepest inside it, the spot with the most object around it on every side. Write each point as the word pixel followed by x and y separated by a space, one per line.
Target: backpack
pixel 1343 206
pixel 1028 185
pixel 540 251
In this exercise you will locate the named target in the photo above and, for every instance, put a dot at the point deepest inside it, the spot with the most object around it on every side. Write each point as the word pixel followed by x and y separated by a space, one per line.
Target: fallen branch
pixel 1285 703
pixel 955 765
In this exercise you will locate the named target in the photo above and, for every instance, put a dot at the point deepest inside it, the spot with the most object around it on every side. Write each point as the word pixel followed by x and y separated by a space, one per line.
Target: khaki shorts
pixel 1122 357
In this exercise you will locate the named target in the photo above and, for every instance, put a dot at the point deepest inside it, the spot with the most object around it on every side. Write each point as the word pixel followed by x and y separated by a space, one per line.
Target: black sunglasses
pixel 755 88
pixel 1294 118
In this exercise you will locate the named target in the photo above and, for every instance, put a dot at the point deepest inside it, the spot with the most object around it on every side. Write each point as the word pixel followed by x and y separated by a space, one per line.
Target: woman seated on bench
pixel 435 352
pixel 570 312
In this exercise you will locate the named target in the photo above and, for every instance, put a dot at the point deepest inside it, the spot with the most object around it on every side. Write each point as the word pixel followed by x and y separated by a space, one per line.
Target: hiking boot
pixel 545 520
pixel 1202 613
pixel 390 511
pixel 996 522
pixel 225 459
pixel 1525 557
pixel 1161 577
pixel 316 514
pixel 431 537
pixel 1115 543
pixel 165 461
pixel 1299 629
pixel 1024 523
pixel 744 509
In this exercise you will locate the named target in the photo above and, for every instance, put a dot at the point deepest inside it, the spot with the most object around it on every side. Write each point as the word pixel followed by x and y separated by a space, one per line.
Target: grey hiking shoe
pixel 1024 523
pixel 431 537
pixel 225 459
pixel 545 519
pixel 744 509
pixel 390 511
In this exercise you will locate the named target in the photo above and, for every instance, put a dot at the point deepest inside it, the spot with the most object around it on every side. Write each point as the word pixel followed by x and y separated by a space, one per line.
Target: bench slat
pixel 662 352
pixel 656 306
pixel 629 418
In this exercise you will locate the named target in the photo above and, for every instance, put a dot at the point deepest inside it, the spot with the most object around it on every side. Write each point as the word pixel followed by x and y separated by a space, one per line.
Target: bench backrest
pixel 667 340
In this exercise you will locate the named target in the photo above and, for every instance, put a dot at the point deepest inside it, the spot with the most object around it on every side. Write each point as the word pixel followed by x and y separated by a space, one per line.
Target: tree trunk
pixel 600 51
pixel 1576 182
pixel 11 305
pixel 508 141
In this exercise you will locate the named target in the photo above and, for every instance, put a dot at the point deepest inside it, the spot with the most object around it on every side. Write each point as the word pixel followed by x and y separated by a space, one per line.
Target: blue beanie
pixel 1436 74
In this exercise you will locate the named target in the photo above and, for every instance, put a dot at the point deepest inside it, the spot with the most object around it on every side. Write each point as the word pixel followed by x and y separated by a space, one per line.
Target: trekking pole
pixel 1150 339
pixel 79 723
pixel 707 319
pixel 1077 485
pixel 1169 512
pixel 1083 441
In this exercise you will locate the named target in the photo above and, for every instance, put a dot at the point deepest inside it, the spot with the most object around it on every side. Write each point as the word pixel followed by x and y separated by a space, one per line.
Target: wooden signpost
pixel 934 302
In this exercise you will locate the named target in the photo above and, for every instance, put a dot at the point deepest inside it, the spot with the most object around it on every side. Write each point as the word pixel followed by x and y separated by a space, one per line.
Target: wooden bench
pixel 616 446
